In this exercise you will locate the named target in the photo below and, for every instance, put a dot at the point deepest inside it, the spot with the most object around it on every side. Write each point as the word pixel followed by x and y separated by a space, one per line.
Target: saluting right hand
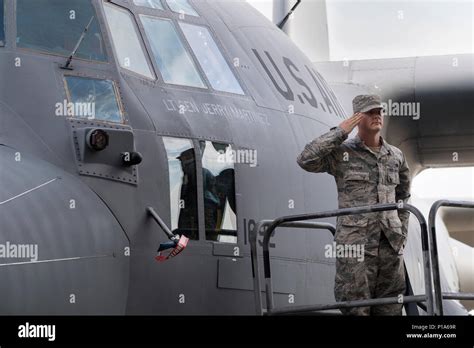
pixel 349 124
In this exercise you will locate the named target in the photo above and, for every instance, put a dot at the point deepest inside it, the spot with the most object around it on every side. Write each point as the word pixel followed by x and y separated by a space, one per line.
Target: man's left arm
pixel 402 192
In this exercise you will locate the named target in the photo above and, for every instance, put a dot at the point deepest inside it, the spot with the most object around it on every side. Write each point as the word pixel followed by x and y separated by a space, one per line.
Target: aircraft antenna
pixel 285 19
pixel 78 44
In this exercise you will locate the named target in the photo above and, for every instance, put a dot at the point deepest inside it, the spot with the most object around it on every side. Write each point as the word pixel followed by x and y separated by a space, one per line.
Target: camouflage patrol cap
pixel 366 102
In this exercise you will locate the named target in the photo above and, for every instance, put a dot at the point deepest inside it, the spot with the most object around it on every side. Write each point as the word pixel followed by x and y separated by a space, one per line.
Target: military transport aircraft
pixel 127 123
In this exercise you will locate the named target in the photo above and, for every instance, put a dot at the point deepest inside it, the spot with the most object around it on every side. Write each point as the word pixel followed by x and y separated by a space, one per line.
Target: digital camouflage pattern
pixel 364 102
pixel 375 276
pixel 364 177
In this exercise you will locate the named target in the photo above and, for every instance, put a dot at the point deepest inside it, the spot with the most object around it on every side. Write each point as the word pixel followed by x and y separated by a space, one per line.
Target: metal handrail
pixel 467 296
pixel 438 295
pixel 254 254
pixel 273 224
pixel 348 304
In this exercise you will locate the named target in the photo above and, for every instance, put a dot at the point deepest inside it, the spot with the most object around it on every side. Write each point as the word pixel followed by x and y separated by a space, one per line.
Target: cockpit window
pixel 2 25
pixel 156 4
pixel 183 186
pixel 174 62
pixel 182 6
pixel 95 99
pixel 211 59
pixel 55 26
pixel 126 41
pixel 219 192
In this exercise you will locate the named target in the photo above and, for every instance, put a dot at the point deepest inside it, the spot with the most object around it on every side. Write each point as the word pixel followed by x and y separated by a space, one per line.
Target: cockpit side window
pixel 126 41
pixel 172 59
pixel 55 26
pixel 182 6
pixel 93 99
pixel 156 4
pixel 2 23
pixel 219 192
pixel 183 186
pixel 211 59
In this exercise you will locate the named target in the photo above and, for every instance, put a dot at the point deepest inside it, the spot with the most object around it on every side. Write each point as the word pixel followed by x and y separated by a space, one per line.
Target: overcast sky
pixel 453 183
pixel 364 29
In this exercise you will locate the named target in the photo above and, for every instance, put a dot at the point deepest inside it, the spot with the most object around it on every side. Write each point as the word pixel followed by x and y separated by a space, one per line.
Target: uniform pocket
pixel 351 235
pixel 395 224
pixel 352 230
pixel 356 183
pixel 393 177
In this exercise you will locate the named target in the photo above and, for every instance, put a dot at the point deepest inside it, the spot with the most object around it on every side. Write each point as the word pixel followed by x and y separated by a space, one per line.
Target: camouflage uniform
pixel 365 177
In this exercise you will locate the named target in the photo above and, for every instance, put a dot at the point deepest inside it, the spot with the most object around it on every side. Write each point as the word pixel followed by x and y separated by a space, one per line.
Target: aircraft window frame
pixel 176 7
pixel 3 8
pixel 175 215
pixel 160 7
pixel 115 89
pixel 139 45
pixel 219 55
pixel 215 196
pixel 185 48
pixel 47 51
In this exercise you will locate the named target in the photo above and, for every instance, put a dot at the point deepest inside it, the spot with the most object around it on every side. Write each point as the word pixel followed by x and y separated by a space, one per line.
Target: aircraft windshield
pixel 156 4
pixel 211 59
pixel 182 6
pixel 58 29
pixel 172 59
pixel 126 41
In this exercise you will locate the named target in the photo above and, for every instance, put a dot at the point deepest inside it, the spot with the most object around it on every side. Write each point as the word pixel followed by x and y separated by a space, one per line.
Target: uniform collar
pixel 384 149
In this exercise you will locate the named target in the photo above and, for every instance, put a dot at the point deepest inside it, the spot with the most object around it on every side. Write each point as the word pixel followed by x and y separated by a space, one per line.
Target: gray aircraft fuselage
pixel 86 211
